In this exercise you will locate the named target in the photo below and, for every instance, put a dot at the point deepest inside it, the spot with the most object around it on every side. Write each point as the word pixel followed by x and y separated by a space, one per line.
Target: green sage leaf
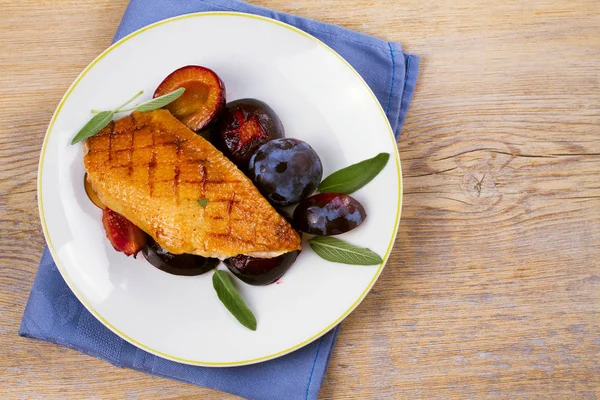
pixel 203 202
pixel 336 250
pixel 232 299
pixel 135 96
pixel 160 101
pixel 352 178
pixel 94 125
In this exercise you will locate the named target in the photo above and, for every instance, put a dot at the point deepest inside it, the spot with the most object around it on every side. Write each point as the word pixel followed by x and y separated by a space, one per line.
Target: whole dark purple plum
pixel 286 171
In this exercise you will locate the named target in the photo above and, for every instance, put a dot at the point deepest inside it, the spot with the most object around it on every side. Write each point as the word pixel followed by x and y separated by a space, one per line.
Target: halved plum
pixel 327 214
pixel 245 125
pixel 177 264
pixel 122 233
pixel 261 271
pixel 203 99
pixel 91 193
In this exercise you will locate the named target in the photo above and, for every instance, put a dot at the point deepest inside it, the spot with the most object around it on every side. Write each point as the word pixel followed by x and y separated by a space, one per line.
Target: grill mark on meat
pixel 228 236
pixel 219 235
pixel 230 204
pixel 203 169
pixel 152 165
pixel 110 135
pixel 228 201
pixel 136 126
pixel 207 181
pixel 229 207
pixel 130 169
pixel 177 144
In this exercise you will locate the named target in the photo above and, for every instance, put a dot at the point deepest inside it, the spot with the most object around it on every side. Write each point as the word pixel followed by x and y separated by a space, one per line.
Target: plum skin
pixel 244 126
pixel 286 171
pixel 328 214
pixel 177 264
pixel 261 271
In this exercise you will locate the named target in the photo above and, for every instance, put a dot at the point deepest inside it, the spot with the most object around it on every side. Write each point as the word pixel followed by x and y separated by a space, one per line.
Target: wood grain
pixel 493 288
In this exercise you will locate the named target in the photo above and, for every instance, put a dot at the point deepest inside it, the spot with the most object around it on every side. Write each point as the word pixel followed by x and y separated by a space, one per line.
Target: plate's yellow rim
pixel 94 312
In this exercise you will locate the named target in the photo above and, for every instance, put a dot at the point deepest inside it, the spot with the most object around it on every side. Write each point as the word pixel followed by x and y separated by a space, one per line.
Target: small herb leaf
pixel 336 250
pixel 135 96
pixel 232 299
pixel 203 202
pixel 94 125
pixel 161 101
pixel 352 178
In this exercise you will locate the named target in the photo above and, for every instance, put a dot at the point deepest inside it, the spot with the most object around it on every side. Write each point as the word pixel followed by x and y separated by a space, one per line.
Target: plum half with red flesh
pixel 245 125
pixel 203 98
pixel 122 233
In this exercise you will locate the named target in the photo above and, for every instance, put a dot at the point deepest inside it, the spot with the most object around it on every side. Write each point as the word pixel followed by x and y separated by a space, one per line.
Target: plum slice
pixel 203 99
pixel 122 233
pixel 261 271
pixel 177 264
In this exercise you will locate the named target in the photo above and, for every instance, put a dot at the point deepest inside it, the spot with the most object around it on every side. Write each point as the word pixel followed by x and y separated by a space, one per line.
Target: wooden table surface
pixel 493 287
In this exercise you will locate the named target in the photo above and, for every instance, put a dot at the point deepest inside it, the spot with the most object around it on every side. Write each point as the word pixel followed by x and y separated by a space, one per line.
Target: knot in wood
pixel 480 186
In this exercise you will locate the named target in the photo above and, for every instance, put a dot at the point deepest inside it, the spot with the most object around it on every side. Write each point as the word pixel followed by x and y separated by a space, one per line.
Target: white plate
pixel 319 97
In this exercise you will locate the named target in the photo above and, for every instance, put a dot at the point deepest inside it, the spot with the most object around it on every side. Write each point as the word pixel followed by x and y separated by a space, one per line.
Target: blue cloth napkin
pixel 55 315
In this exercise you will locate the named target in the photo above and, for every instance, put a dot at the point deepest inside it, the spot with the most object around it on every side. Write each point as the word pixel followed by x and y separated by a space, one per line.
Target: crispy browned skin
pixel 152 169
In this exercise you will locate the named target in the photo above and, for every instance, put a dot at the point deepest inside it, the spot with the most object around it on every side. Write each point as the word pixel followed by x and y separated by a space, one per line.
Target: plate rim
pixel 132 341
